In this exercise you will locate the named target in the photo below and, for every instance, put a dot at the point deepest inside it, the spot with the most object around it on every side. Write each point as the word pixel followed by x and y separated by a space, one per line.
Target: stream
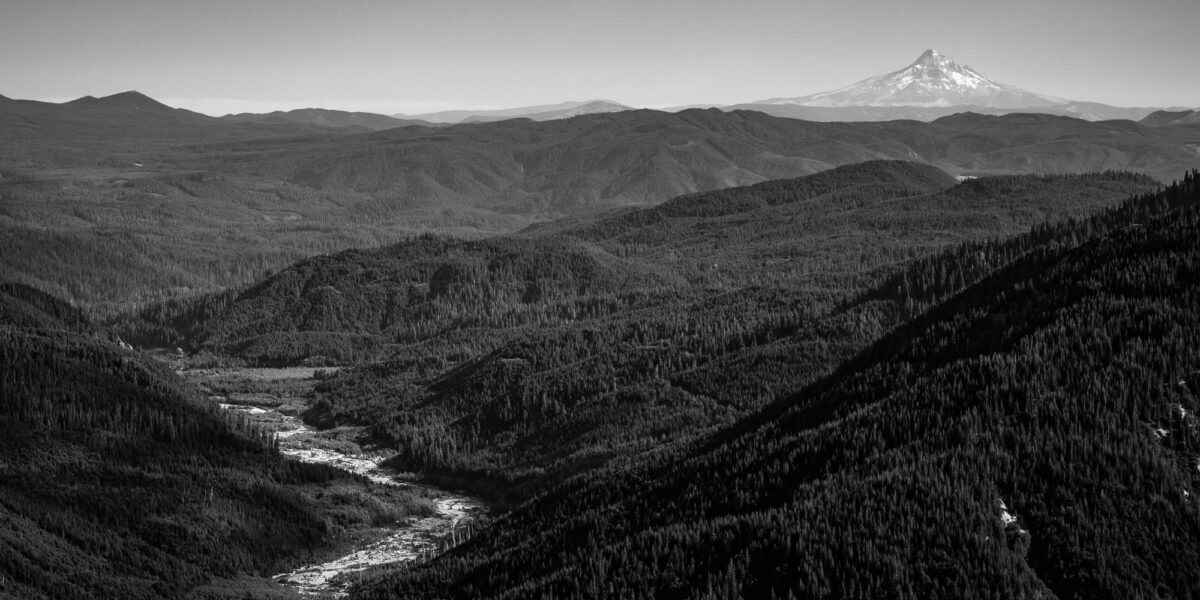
pixel 408 540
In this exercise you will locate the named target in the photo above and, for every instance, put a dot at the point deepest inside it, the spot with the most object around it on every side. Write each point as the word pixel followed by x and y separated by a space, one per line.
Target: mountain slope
pixel 120 129
pixel 118 192
pixel 413 290
pixel 643 157
pixel 117 480
pixel 1165 117
pixel 1033 436
pixel 512 363
pixel 355 304
pixel 24 307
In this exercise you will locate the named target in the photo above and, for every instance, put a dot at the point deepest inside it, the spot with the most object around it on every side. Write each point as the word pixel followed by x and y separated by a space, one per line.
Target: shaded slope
pixel 1033 436
pixel 825 230
pixel 118 480
pixel 24 307
pixel 352 304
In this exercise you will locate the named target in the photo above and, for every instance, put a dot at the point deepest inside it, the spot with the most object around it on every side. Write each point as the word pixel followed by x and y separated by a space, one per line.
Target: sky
pixel 415 56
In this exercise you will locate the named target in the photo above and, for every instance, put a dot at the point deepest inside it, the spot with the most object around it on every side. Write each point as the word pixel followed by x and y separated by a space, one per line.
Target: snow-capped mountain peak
pixel 934 79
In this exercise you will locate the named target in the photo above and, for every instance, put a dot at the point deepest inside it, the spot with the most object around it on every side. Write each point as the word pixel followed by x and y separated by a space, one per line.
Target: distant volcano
pixel 933 80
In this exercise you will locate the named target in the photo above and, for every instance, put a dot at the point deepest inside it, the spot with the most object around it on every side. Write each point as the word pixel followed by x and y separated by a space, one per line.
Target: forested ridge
pixel 143 203
pixel 616 381
pixel 514 362
pixel 1034 435
pixel 117 480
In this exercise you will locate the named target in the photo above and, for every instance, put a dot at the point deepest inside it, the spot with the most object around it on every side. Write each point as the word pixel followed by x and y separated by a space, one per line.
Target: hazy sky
pixel 423 55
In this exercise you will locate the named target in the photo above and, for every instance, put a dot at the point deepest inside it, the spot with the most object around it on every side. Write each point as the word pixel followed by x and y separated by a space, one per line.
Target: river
pixel 274 398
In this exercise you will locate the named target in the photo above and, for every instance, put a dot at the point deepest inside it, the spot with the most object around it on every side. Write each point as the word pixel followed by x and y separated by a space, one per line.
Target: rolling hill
pixel 644 157
pixel 103 180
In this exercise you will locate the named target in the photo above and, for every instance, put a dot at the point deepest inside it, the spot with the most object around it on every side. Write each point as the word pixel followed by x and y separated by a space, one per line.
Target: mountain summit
pixel 130 100
pixel 933 80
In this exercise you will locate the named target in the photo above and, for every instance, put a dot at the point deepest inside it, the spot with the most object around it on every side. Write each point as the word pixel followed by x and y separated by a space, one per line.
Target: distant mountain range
pixel 545 112
pixel 321 117
pixel 265 193
pixel 931 87
pixel 123 128
pixel 593 160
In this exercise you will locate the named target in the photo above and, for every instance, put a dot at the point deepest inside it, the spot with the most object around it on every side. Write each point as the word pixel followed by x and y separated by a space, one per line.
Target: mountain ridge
pixel 542 112
pixel 324 117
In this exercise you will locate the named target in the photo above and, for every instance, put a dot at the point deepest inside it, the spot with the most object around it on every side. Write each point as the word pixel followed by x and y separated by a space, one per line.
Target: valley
pixel 361 332
pixel 603 340
pixel 273 399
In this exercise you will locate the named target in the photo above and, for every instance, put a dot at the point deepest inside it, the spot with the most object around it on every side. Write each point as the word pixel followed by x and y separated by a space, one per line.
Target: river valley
pixel 274 399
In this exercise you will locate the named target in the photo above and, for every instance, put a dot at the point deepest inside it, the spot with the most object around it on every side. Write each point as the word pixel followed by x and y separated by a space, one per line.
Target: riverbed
pixel 274 399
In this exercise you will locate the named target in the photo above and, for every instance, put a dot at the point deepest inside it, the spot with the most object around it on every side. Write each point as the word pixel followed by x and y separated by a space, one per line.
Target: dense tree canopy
pixel 117 480
pixel 1034 435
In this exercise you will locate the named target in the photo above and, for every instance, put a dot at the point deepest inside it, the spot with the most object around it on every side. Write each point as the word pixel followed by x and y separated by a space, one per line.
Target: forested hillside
pixel 1032 436
pixel 143 202
pixel 515 362
pixel 640 157
pixel 825 232
pixel 118 481
pixel 323 320
pixel 359 305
